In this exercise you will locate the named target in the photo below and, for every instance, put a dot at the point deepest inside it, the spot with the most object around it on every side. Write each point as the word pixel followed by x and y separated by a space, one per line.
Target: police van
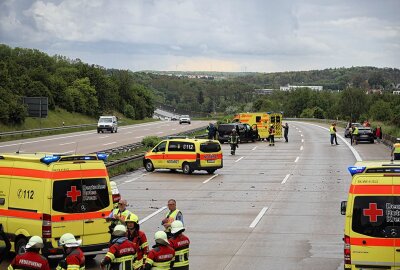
pixel 372 222
pixel 185 154
pixel 49 195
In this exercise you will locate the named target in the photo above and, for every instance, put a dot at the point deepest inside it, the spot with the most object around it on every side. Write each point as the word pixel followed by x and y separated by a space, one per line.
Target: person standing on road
pixel 118 215
pixel 378 133
pixel 396 150
pixel 3 237
pixel 180 243
pixel 212 131
pixel 139 238
pixel 74 257
pixel 271 135
pixel 286 132
pixel 172 215
pixel 332 130
pixel 122 253
pixel 354 135
pixel 162 255
pixel 31 259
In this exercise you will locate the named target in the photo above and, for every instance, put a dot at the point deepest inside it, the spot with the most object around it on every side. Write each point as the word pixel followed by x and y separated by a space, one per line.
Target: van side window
pixel 80 196
pixel 181 146
pixel 258 119
pixel 210 147
pixel 160 147
pixel 376 216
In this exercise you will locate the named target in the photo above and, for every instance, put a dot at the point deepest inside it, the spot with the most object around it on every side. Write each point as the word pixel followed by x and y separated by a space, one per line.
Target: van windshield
pixel 105 120
pixel 210 147
pixel 377 216
pixel 80 195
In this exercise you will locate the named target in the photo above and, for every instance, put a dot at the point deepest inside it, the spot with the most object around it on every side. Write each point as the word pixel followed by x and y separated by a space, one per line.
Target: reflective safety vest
pixel 332 129
pixel 180 244
pixel 29 261
pixel 74 261
pixel 123 214
pixel 355 131
pixel 172 215
pixel 397 148
pixel 121 255
pixel 160 257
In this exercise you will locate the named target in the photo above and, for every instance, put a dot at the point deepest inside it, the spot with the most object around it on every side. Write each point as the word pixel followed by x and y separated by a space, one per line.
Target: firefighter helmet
pixel 69 240
pixel 161 238
pixel 177 226
pixel 119 230
pixel 35 242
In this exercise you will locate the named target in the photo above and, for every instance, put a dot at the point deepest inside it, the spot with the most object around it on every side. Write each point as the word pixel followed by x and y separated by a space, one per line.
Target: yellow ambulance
pixel 49 195
pixel 262 122
pixel 185 154
pixel 372 222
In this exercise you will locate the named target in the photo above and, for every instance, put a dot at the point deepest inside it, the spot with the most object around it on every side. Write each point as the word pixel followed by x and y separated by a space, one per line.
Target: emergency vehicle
pixel 262 121
pixel 49 195
pixel 372 222
pixel 186 154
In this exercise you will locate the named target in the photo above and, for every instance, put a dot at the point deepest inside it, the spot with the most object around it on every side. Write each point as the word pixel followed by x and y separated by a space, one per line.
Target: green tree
pixel 352 103
pixel 381 111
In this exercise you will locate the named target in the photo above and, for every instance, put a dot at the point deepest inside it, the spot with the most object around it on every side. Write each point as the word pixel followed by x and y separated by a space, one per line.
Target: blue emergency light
pixel 356 169
pixel 102 156
pixel 49 159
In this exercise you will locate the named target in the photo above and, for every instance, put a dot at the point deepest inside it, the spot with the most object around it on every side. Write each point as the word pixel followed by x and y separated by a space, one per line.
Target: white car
pixel 107 123
pixel 184 119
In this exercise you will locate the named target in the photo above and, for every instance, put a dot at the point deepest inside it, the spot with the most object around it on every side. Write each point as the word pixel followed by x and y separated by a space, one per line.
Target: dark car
pixel 245 131
pixel 364 133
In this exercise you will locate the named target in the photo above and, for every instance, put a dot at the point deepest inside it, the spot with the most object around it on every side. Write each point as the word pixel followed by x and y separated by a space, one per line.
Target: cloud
pixel 257 34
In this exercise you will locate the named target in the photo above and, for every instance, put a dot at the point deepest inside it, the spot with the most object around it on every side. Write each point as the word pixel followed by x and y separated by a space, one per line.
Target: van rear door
pixel 372 241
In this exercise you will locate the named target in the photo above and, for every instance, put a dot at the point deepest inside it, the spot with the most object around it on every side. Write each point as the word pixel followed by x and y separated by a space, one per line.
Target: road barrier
pixel 42 130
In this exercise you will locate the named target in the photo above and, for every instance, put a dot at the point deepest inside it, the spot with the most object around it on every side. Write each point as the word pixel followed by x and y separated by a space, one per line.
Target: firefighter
pixel 271 132
pixel 4 251
pixel 122 253
pixel 162 255
pixel 31 260
pixel 139 238
pixel 74 258
pixel 118 215
pixel 233 141
pixel 180 243
pixel 396 150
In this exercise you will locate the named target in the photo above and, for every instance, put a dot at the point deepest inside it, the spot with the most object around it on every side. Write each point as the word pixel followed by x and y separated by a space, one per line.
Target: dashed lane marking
pixel 301 148
pixel 67 143
pixel 254 148
pixel 285 179
pixel 109 143
pixel 297 159
pixel 239 159
pixel 209 179
pixel 258 218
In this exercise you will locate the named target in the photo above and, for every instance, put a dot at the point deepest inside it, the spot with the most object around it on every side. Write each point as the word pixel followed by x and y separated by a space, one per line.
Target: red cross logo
pixel 74 194
pixel 373 212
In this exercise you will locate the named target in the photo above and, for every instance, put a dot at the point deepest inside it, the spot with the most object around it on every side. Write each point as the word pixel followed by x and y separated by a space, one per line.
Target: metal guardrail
pixel 39 130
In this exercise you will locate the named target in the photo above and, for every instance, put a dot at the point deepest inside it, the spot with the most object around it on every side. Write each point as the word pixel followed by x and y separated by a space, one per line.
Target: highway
pixel 91 141
pixel 268 208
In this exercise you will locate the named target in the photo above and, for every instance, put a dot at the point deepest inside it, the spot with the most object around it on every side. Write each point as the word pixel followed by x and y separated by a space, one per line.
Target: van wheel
pixel 98 131
pixel 149 166
pixel 20 245
pixel 210 171
pixel 186 168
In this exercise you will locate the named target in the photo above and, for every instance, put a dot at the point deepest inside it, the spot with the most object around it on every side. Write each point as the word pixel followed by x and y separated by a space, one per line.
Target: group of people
pixel 128 247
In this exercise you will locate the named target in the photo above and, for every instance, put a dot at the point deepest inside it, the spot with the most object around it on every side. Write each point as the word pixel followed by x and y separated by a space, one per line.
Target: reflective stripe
pixel 73 267
pixel 181 257
pixel 145 244
pixel 47 175
pixel 137 264
pixel 162 265
pixel 10 267
pixel 110 255
pixel 123 259
pixel 149 261
pixel 375 189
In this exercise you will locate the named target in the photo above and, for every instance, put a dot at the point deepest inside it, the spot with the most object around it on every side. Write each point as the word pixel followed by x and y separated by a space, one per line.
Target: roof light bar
pixel 102 156
pixel 49 159
pixel 356 169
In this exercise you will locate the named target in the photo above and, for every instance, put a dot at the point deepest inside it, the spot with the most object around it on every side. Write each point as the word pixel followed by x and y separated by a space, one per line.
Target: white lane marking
pixel 254 148
pixel 285 179
pixel 354 151
pixel 130 132
pixel 301 148
pixel 109 143
pixel 173 129
pixel 238 159
pixel 136 178
pixel 297 159
pixel 67 143
pixel 104 137
pixel 300 131
pixel 209 179
pixel 161 132
pixel 72 151
pixel 139 137
pixel 258 218
pixel 146 129
pixel 301 135
pixel 152 215
pixel 302 140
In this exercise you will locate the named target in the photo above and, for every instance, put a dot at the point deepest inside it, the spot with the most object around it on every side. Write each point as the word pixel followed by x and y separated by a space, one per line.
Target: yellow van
pixel 372 227
pixel 261 122
pixel 185 154
pixel 49 195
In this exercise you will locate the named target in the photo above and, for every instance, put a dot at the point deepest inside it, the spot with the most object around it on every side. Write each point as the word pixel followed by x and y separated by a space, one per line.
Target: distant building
pixel 396 92
pixel 374 91
pixel 264 91
pixel 294 87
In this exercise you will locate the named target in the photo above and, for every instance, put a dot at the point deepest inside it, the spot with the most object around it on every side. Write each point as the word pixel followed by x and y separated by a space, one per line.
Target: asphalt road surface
pixel 91 141
pixel 268 208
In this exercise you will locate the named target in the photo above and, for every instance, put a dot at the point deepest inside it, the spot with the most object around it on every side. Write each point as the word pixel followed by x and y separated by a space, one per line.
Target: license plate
pixel 211 161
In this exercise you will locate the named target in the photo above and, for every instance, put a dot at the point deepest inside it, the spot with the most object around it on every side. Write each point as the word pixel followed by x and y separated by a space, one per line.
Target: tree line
pixel 69 84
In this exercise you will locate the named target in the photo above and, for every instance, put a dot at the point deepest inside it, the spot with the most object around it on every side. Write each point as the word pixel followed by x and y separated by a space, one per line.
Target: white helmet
pixel 161 238
pixel 69 240
pixel 35 242
pixel 119 230
pixel 177 226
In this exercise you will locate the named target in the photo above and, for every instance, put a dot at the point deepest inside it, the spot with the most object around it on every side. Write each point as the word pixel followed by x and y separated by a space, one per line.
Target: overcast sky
pixel 203 35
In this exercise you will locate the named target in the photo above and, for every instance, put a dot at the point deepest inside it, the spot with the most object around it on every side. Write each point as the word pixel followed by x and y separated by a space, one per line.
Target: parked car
pixel 245 132
pixel 184 119
pixel 364 133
